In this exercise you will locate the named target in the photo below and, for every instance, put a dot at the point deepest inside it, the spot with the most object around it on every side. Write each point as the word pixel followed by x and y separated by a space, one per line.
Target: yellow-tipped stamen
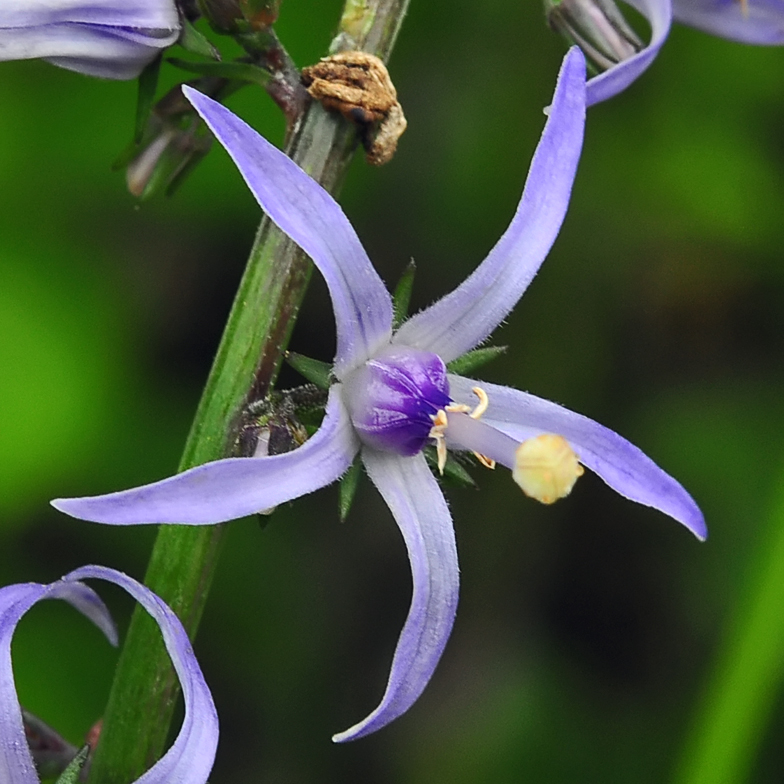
pixel 484 402
pixel 437 432
pixel 485 461
pixel 546 467
pixel 440 422
pixel 441 454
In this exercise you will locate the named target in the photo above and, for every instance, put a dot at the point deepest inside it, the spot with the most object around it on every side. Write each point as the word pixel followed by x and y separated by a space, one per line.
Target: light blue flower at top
pixel 191 756
pixel 110 38
pixel 392 394
pixel 759 22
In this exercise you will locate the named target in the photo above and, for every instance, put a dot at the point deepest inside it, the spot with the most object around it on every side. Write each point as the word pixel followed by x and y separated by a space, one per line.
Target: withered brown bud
pixel 357 85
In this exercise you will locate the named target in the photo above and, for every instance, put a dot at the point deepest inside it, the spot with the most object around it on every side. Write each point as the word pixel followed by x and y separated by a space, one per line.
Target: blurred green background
pixel 587 630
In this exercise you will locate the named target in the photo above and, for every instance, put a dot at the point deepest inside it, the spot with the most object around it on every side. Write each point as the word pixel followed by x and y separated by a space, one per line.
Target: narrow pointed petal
pixel 235 487
pixel 191 756
pixel 302 209
pixel 619 463
pixel 758 22
pixel 619 77
pixel 419 508
pixel 113 39
pixel 16 762
pixel 464 318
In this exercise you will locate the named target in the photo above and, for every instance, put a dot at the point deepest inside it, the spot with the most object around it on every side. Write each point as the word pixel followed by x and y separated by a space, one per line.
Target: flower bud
pixel 173 141
pixel 597 27
pixel 393 398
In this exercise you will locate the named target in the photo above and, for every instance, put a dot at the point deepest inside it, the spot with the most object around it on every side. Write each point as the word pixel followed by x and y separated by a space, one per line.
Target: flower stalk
pixel 136 723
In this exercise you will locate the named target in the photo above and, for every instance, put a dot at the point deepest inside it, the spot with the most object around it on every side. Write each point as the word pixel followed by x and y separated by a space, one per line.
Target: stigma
pixel 546 467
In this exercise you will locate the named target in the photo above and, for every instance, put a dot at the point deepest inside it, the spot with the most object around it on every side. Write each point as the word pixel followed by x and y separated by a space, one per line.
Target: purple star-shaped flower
pixel 392 393
pixel 190 757
pixel 759 22
pixel 110 38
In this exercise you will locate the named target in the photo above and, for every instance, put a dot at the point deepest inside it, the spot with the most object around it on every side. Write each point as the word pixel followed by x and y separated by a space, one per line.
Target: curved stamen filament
pixel 441 420
pixel 484 402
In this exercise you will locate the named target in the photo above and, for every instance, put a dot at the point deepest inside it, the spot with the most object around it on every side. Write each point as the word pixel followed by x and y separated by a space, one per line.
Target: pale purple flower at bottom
pixel 114 39
pixel 190 758
pixel 392 393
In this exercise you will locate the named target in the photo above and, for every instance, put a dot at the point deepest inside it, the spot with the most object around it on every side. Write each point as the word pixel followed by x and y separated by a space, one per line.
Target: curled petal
pixel 16 762
pixel 110 39
pixel 235 487
pixel 619 463
pixel 758 22
pixel 619 77
pixel 191 756
pixel 419 508
pixel 464 318
pixel 304 211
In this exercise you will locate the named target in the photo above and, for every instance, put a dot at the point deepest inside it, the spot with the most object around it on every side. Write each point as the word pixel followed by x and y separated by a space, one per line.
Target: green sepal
pixel 237 72
pixel 180 171
pixel 348 488
pixel 191 40
pixel 314 370
pixel 471 360
pixel 71 774
pixel 402 295
pixel 454 471
pixel 148 84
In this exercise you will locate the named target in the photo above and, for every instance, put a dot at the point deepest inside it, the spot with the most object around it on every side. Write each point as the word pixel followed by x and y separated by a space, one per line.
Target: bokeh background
pixel 587 631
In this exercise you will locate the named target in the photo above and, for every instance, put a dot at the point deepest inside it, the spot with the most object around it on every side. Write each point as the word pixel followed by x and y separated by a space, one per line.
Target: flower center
pixel 394 396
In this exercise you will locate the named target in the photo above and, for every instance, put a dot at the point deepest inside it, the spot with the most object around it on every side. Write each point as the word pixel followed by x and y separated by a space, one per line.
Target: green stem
pixel 183 561
pixel 748 673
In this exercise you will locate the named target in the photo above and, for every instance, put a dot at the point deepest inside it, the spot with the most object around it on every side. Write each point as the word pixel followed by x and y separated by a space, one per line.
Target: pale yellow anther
pixel 485 460
pixel 441 454
pixel 744 7
pixel 546 467
pixel 440 422
pixel 484 402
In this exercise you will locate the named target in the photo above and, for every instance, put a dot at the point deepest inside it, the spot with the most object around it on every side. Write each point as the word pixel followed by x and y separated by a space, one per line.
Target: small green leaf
pixel 471 360
pixel 238 72
pixel 313 370
pixel 348 488
pixel 71 774
pixel 148 84
pixel 195 42
pixel 453 470
pixel 402 295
